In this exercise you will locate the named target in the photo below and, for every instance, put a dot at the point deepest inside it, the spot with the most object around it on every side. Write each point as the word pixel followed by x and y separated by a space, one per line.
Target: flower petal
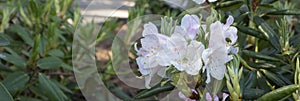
pixel 150 28
pixel 231 33
pixel 218 71
pixel 225 96
pixel 229 22
pixel 191 23
pixel 208 97
pixel 208 76
pixel 212 0
pixel 216 39
pixel 216 98
pixel 147 81
pixel 199 1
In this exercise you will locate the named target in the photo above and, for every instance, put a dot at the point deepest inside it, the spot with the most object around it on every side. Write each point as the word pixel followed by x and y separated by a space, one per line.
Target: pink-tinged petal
pixel 232 50
pixel 208 97
pixel 229 22
pixel 191 23
pixel 225 96
pixel 150 28
pixel 199 1
pixel 182 96
pixel 216 98
pixel 150 42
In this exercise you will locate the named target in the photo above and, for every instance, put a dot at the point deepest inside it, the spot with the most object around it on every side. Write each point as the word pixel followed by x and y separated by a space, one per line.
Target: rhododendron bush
pixel 221 50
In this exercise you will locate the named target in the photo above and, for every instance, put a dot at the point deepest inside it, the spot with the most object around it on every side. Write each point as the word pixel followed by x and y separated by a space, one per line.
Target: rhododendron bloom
pixel 186 52
pixel 188 59
pixel 150 60
pixel 216 55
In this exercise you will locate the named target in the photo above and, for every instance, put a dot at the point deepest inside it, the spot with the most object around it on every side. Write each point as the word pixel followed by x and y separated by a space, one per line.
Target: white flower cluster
pixel 183 51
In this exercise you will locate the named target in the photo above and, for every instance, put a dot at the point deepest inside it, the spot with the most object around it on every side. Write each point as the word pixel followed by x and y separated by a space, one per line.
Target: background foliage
pixel 36 40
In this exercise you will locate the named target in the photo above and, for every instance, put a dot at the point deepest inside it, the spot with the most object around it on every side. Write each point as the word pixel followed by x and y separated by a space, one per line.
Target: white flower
pixel 183 51
pixel 202 1
pixel 188 59
pixel 152 54
pixel 216 55
pixel 190 26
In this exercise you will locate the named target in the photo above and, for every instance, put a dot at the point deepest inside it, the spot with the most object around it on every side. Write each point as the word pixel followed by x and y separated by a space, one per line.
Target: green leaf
pixel 23 98
pixel 18 61
pixel 260 56
pixel 154 91
pixel 284 12
pixel 57 53
pixel 4 94
pixel 15 81
pixel 4 68
pixel 118 92
pixel 22 33
pixel 268 32
pixel 51 90
pixel 35 49
pixel 251 32
pixel 49 63
pixel 279 93
pixel 3 41
pixel 260 65
pixel 251 79
pixel 230 5
pixel 273 78
pixel 252 94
